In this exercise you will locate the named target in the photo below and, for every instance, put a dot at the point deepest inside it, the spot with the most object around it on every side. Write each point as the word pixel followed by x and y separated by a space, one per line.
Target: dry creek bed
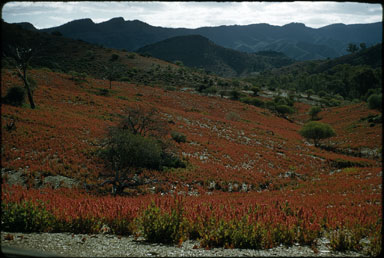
pixel 103 245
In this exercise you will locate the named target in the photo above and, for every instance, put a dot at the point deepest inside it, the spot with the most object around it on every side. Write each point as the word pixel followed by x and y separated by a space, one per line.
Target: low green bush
pixel 15 96
pixel 343 240
pixel 26 217
pixel 375 101
pixel 161 227
pixel 314 111
pixel 342 163
pixel 103 92
pixel 170 88
pixel 178 137
pixel 232 116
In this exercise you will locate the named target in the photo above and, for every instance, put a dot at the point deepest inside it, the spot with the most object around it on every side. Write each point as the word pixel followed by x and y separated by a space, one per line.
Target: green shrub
pixel 122 97
pixel 211 90
pixel 333 102
pixel 127 150
pixel 170 88
pixel 81 225
pixel 121 226
pixel 169 160
pixel 284 109
pixel 252 101
pixel 344 240
pixel 247 236
pixel 125 79
pixel 322 94
pixel 26 217
pixel 15 96
pixel 270 105
pixel 234 94
pixel 161 227
pixel 103 92
pixel 216 233
pixel 314 111
pixel 178 137
pixel 257 102
pixel 114 57
pixel 246 100
pixel 375 101
pixel 375 244
pixel 78 77
pixel 223 93
pixel 232 116
pixel 255 90
pixel 342 163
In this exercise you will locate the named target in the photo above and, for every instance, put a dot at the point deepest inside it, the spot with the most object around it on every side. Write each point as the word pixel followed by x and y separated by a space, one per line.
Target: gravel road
pixel 101 245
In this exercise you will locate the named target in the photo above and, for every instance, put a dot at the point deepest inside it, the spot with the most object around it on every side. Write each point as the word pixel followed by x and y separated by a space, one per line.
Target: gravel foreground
pixel 101 245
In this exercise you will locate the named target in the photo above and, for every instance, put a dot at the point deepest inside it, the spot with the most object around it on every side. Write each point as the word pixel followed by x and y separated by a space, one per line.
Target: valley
pixel 241 174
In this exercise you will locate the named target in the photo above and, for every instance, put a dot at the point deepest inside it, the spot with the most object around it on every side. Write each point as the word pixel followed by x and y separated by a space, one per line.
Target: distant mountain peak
pixel 27 26
pixel 115 20
pixel 83 21
pixel 295 24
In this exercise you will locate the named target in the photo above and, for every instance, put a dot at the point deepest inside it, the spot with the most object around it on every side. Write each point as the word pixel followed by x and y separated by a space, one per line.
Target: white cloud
pixel 194 14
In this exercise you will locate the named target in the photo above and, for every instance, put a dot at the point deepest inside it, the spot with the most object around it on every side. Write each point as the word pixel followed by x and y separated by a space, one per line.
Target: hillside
pixel 295 39
pixel 256 135
pixel 197 51
pixel 239 156
pixel 352 77
pixel 83 57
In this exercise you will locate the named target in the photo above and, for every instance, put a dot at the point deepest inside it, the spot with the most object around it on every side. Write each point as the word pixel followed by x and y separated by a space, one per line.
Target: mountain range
pixel 295 40
pixel 199 52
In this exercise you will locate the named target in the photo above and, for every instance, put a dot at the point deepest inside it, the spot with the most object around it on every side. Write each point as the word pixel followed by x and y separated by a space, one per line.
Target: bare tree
pixel 144 121
pixel 22 57
pixel 112 72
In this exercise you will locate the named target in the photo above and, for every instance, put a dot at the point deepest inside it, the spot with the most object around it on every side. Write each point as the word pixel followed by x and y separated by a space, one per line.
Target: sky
pixel 194 14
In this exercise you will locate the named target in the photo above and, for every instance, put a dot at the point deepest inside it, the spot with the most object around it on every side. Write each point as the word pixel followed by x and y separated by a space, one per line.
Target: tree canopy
pixel 316 131
pixel 314 111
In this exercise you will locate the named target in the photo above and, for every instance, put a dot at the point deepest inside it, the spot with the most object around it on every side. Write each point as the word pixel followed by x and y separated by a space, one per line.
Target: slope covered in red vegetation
pixel 242 154
pixel 227 141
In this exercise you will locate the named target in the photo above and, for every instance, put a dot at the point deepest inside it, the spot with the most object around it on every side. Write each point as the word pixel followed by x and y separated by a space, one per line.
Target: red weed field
pixel 257 181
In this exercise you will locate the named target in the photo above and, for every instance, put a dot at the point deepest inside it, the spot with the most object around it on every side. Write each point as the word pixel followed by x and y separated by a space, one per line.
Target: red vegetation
pixel 261 154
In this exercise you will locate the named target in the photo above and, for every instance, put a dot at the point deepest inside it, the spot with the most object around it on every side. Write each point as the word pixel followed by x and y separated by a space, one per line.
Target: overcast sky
pixel 194 14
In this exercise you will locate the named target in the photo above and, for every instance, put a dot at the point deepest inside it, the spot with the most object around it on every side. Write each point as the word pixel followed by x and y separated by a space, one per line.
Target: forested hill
pixel 198 51
pixel 353 76
pixel 295 40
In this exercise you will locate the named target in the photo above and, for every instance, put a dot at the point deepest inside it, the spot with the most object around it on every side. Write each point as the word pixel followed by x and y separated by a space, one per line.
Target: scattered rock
pixel 104 245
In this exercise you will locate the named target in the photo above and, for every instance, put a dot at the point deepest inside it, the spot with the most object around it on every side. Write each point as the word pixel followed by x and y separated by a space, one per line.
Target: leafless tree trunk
pixel 22 57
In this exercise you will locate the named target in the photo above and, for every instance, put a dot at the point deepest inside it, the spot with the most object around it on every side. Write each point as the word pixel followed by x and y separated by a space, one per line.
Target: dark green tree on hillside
pixel 316 131
pixel 126 153
pixel 234 94
pixel 112 69
pixel 255 90
pixel 112 73
pixel 284 110
pixel 352 48
pixel 136 143
pixel 314 111
pixel 309 92
pixel 365 79
pixel 375 101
